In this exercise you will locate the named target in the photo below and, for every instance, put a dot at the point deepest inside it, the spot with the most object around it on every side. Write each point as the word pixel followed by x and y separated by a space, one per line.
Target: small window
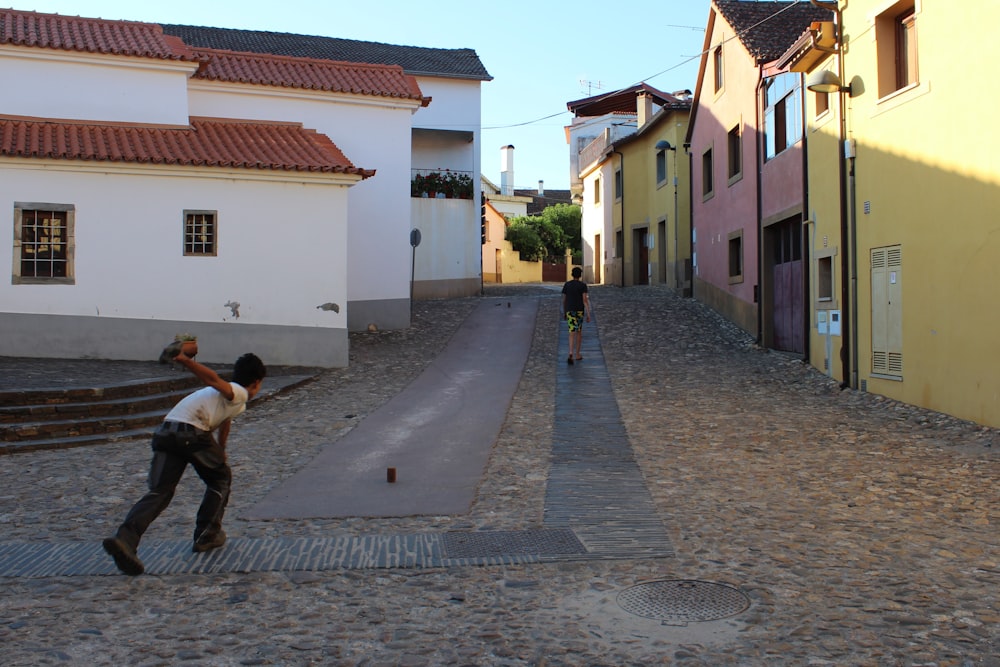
pixel 822 103
pixel 618 184
pixel 735 154
pixel 717 61
pixel 896 40
pixel 661 167
pixel 707 174
pixel 43 244
pixel 824 278
pixel 597 190
pixel 200 233
pixel 736 257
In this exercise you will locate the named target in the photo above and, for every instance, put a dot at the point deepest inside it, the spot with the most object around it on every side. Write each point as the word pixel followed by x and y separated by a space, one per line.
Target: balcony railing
pixel 443 183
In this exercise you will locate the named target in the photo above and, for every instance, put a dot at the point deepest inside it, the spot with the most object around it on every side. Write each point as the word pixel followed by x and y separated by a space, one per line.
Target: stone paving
pixel 862 531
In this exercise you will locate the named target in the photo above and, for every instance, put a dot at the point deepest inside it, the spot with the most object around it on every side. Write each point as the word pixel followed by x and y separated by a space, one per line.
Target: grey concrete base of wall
pixel 386 314
pixel 446 289
pixel 740 313
pixel 68 337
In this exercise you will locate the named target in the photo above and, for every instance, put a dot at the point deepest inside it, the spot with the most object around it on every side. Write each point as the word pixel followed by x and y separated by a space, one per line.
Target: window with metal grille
pixel 200 233
pixel 43 243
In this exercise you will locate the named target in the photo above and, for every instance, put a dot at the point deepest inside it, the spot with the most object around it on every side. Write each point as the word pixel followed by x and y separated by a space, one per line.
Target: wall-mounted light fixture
pixel 825 81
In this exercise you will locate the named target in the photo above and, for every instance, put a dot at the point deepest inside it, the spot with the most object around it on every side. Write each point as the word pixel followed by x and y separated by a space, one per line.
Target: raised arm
pixel 205 374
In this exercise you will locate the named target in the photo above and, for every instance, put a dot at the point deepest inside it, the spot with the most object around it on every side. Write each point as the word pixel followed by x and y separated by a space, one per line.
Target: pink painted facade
pixel 724 209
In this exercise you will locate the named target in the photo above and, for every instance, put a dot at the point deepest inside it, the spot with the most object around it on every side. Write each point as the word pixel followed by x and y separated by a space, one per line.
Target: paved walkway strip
pixel 595 486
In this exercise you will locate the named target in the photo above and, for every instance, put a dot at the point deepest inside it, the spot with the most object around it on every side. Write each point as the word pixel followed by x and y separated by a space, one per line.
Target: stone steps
pixel 41 419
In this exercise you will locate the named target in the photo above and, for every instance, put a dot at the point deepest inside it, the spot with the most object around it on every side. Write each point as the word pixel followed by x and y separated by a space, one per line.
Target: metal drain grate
pixel 484 544
pixel 683 601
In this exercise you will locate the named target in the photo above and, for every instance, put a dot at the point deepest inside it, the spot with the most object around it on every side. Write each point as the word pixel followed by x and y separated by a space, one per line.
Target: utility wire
pixel 697 56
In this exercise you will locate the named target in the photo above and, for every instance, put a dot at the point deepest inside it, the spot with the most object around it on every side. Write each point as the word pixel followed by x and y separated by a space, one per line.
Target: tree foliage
pixel 537 237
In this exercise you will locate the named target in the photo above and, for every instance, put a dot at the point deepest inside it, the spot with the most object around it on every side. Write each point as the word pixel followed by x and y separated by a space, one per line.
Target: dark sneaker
pixel 209 542
pixel 124 555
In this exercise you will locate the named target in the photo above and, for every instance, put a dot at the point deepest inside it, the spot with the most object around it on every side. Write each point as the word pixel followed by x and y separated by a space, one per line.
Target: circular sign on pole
pixel 414 237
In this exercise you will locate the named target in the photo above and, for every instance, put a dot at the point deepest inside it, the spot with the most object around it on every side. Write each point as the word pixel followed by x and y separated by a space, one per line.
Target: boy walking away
pixel 576 307
pixel 194 432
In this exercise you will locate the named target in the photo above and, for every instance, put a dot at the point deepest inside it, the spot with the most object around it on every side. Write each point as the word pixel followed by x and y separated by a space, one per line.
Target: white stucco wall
pixel 373 133
pixel 282 251
pixel 70 84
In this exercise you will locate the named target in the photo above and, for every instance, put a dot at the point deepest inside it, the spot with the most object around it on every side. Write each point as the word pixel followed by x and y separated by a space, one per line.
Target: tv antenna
pixel 591 85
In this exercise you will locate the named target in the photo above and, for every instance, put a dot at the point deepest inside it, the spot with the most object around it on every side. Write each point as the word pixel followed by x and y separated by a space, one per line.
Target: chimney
pixel 541 188
pixel 644 108
pixel 507 170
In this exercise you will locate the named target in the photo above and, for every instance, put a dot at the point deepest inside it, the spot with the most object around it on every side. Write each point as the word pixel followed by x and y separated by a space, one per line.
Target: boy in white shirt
pixel 186 437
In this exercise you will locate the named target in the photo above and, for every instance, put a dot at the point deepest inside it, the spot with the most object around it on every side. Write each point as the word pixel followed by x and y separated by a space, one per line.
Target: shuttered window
pixel 887 311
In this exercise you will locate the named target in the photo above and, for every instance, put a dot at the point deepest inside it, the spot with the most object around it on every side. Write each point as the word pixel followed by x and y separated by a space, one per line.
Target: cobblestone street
pixel 862 531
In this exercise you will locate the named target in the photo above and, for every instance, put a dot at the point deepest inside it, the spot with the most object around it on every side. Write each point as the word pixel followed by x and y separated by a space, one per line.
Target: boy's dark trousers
pixel 175 445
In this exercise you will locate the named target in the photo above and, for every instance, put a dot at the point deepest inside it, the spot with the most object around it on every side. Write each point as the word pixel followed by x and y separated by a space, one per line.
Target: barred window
pixel 43 243
pixel 200 233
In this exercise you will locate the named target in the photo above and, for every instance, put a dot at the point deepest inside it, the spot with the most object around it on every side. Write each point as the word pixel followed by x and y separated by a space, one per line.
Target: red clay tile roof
pixel 205 143
pixel 308 73
pixel 72 33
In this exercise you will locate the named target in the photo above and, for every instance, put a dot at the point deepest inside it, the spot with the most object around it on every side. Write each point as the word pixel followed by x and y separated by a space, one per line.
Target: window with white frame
pixel 44 244
pixel 783 113
pixel 896 39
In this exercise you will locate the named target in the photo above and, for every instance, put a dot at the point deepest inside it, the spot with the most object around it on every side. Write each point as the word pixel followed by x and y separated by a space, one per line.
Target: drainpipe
pixel 805 244
pixel 847 312
pixel 621 159
pixel 690 212
pixel 759 167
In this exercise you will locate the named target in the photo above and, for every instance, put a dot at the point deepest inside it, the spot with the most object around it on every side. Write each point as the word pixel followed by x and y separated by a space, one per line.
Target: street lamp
pixel 664 145
pixel 828 82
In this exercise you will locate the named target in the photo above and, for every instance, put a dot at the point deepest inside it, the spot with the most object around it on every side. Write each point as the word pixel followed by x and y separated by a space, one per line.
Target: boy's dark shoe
pixel 209 542
pixel 125 557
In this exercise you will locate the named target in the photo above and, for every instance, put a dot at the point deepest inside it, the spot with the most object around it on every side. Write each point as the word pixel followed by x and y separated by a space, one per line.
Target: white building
pixel 155 187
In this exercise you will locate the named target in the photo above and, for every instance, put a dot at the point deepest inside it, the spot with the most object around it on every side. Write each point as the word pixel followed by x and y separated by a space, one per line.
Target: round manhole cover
pixel 683 601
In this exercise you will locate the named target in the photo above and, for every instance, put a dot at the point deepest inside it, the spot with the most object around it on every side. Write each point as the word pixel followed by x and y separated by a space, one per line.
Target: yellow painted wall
pixel 927 181
pixel 648 202
pixel 511 268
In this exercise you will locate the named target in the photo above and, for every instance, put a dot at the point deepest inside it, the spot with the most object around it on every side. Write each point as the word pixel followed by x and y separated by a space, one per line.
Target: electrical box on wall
pixel 834 322
pixel 828 322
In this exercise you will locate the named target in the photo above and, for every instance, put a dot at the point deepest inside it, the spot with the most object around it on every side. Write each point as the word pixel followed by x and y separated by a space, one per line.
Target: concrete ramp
pixel 437 433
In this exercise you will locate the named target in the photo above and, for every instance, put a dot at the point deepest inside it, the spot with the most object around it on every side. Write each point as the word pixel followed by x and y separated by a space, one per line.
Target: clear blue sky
pixel 537 52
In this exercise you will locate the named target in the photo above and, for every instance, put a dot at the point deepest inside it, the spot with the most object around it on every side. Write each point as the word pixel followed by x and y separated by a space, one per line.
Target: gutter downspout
pixel 621 160
pixel 760 211
pixel 847 335
pixel 690 212
pixel 805 243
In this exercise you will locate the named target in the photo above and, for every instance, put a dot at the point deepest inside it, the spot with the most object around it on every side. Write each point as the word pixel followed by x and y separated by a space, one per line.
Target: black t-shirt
pixel 574 291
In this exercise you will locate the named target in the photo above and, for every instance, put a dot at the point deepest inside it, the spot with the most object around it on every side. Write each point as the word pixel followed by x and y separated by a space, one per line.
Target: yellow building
pixel 649 192
pixel 903 193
